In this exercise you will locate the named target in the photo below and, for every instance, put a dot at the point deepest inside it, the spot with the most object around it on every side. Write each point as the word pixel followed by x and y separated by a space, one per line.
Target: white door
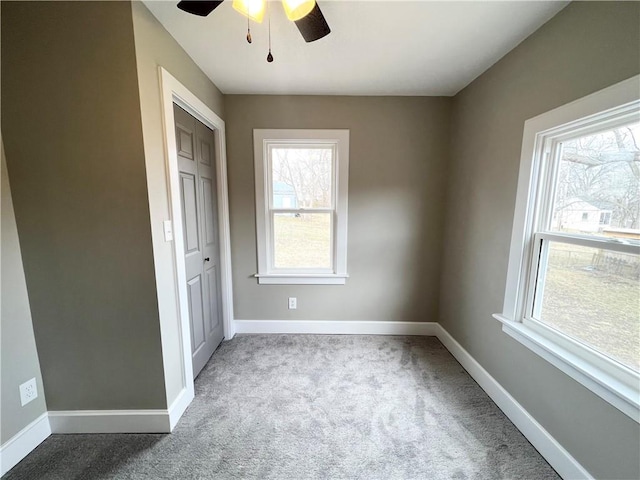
pixel 196 164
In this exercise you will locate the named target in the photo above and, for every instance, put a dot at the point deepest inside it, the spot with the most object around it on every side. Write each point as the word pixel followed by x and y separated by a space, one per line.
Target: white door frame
pixel 175 92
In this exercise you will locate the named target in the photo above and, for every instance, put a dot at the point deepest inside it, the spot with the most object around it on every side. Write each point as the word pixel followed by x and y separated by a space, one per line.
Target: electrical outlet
pixel 293 303
pixel 28 391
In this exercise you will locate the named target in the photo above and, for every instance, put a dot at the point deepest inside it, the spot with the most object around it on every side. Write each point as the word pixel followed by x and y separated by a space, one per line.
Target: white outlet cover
pixel 293 303
pixel 28 391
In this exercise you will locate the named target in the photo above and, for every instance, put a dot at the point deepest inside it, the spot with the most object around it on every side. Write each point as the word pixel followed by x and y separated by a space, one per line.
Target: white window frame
pixel 618 385
pixel 338 140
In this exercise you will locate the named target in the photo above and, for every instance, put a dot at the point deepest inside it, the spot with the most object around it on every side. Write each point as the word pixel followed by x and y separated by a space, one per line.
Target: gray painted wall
pixel 586 47
pixel 18 355
pixel 77 166
pixel 397 167
pixel 155 47
pixel 73 138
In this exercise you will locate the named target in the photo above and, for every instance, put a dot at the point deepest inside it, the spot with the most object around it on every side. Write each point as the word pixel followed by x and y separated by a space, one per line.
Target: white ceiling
pixel 375 47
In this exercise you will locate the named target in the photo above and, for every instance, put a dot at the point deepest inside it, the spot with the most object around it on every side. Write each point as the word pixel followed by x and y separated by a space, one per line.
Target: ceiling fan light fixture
pixel 297 9
pixel 254 9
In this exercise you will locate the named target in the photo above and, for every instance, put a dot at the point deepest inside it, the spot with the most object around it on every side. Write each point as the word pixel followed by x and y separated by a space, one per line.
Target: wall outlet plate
pixel 293 303
pixel 28 391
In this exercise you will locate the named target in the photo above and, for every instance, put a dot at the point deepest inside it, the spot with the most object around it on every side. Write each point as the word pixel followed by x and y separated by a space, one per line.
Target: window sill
pixel 301 279
pixel 610 389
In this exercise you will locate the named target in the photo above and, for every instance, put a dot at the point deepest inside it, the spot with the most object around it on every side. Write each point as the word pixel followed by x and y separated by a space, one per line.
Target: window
pixel 573 284
pixel 301 205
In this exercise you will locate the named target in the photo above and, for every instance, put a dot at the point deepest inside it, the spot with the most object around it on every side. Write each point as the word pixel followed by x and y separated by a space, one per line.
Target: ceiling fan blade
pixel 313 26
pixel 201 8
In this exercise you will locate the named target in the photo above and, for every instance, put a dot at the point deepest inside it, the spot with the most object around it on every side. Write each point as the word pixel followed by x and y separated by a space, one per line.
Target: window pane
pixel 598 187
pixel 302 177
pixel 593 295
pixel 302 240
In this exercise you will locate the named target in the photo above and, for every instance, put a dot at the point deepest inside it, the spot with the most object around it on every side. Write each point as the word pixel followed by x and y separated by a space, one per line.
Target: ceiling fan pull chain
pixel 269 56
pixel 248 29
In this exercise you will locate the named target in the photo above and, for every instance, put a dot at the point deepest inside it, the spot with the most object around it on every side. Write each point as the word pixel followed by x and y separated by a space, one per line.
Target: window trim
pixel 583 364
pixel 339 139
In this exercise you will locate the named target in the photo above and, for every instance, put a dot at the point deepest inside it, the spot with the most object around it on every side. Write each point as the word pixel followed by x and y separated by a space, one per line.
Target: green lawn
pixel 303 241
pixel 598 307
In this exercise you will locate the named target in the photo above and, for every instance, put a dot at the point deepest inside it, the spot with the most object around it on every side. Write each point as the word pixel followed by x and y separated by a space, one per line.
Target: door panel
pixel 184 140
pixel 195 144
pixel 209 224
pixel 196 310
pixel 206 153
pixel 212 284
pixel 189 212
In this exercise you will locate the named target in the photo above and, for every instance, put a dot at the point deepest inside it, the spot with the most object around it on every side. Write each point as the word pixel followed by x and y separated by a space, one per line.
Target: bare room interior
pixel 320 240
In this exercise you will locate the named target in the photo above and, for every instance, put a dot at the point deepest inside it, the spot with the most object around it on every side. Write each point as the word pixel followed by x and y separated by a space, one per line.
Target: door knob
pixel 207 259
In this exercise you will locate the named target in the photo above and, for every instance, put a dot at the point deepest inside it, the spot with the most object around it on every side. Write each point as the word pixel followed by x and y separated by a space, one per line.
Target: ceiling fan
pixel 304 13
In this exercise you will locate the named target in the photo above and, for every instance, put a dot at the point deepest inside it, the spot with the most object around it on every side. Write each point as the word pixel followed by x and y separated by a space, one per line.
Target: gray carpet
pixel 314 407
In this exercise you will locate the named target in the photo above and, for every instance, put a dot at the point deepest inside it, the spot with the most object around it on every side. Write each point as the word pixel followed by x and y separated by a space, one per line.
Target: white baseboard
pixel 179 406
pixel 23 443
pixel 336 327
pixel 110 421
pixel 554 453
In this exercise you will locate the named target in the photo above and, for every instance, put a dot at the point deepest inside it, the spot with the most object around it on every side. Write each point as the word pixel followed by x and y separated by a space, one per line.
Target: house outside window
pixel 605 218
pixel 573 286
pixel 301 205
